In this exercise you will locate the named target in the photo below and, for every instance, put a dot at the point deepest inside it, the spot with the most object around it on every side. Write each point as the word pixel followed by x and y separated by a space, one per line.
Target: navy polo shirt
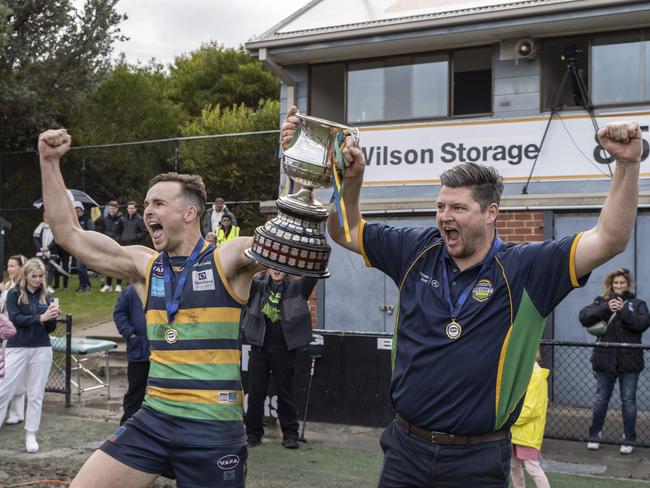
pixel 467 379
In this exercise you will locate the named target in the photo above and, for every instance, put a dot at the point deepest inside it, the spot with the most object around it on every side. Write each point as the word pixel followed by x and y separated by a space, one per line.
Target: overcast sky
pixel 167 28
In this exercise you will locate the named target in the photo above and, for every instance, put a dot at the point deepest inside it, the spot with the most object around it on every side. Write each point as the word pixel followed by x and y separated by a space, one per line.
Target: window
pixel 472 81
pixel 401 88
pixel 620 67
pixel 560 81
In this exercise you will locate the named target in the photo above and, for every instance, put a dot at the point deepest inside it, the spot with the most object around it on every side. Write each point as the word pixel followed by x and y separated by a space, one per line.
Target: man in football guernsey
pixel 471 312
pixel 190 426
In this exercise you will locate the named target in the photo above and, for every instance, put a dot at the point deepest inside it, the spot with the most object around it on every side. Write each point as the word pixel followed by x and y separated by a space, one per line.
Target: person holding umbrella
pixel 86 224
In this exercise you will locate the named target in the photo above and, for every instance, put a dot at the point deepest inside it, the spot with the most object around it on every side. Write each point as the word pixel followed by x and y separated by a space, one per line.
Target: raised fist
pixel 623 141
pixel 52 144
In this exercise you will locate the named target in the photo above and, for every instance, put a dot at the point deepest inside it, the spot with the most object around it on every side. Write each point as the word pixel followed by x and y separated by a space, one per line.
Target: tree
pixel 50 54
pixel 236 168
pixel 213 76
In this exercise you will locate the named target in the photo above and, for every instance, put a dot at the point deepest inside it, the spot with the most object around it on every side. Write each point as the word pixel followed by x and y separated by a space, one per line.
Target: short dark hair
pixel 113 203
pixel 132 203
pixel 485 181
pixel 192 186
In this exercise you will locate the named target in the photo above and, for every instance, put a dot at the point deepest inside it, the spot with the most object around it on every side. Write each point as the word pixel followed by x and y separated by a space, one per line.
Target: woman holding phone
pixel 30 351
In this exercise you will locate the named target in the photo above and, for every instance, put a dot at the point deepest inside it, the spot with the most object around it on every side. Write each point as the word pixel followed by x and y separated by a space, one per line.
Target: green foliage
pixel 50 54
pixel 212 75
pixel 236 168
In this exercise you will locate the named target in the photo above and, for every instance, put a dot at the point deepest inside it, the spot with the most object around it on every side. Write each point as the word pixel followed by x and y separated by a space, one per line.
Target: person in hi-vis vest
pixel 227 230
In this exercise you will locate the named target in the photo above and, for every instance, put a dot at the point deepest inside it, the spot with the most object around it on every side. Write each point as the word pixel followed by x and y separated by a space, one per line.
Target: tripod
pixel 585 102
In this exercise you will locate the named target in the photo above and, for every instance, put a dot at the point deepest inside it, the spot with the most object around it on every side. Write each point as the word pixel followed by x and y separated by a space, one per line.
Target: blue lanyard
pixel 454 310
pixel 173 303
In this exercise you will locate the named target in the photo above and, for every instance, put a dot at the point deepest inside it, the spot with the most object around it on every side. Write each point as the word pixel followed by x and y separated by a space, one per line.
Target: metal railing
pixel 59 380
pixel 572 391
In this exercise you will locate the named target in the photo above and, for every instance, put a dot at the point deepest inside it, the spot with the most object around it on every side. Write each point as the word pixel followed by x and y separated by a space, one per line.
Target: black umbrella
pixel 75 195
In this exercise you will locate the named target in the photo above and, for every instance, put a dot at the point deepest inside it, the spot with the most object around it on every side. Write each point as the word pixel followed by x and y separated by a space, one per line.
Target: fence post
pixel 68 359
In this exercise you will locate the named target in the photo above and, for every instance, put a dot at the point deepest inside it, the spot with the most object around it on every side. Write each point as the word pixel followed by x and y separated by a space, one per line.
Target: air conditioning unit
pixel 525 49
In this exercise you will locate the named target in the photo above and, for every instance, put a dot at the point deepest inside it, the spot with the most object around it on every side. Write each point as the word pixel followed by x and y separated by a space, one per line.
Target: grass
pixel 86 308
pixel 321 466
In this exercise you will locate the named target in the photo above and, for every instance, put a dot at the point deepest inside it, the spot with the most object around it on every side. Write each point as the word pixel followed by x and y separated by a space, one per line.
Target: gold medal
pixel 454 329
pixel 171 335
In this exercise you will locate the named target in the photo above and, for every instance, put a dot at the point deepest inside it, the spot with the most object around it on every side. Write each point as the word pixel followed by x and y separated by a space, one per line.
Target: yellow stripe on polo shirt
pixel 199 356
pixel 572 261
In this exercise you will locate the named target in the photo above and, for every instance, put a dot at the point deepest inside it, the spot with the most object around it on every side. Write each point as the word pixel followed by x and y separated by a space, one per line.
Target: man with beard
pixel 472 311
pixel 190 426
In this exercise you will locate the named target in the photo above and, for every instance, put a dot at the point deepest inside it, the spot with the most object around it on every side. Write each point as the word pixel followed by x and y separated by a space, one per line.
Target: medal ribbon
pixel 454 310
pixel 173 302
pixel 337 161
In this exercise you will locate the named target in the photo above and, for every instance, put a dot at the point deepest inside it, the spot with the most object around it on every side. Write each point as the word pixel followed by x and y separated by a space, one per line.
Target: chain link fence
pixel 59 380
pixel 572 391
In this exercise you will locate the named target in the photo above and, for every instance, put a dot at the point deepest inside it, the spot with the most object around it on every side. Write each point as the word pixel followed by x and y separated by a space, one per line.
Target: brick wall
pixel 516 226
pixel 521 226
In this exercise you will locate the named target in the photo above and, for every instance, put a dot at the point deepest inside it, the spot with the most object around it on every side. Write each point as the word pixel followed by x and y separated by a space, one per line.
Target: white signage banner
pixel 418 153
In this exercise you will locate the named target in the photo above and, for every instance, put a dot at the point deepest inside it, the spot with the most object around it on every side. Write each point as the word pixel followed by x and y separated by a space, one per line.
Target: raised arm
pixel 351 189
pixel 95 250
pixel 238 269
pixel 610 235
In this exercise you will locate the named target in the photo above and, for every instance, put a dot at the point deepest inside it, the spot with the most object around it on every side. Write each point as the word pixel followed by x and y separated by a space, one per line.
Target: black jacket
pixel 627 326
pixel 295 317
pixel 86 223
pixel 30 331
pixel 134 230
pixel 113 226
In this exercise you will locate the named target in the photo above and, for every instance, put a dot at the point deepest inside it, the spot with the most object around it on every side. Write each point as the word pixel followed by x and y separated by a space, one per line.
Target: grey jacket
pixel 295 317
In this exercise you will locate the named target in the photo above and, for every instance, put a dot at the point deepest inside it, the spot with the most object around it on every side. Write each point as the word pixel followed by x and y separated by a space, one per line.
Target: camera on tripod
pixel 571 54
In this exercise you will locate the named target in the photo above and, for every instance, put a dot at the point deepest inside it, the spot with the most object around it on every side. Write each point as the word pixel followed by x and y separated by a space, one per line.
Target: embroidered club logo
pixel 231 461
pixel 483 290
pixel 453 330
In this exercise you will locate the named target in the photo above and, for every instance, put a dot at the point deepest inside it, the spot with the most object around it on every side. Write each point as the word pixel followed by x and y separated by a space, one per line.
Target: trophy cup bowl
pixel 293 241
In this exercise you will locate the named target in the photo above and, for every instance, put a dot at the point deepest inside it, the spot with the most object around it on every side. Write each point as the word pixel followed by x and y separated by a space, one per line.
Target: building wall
pixel 516 88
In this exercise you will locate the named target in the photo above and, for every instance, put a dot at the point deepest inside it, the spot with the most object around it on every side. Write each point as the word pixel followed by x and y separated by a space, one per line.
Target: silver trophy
pixel 293 241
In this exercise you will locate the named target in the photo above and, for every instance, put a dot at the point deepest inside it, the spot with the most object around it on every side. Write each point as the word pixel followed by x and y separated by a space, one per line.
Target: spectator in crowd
pixel 113 226
pixel 528 430
pixel 627 318
pixel 211 238
pixel 86 223
pixel 48 251
pixel 134 231
pixel 212 217
pixel 227 231
pixel 29 351
pixel 472 310
pixel 15 265
pixel 7 331
pixel 129 318
pixel 276 322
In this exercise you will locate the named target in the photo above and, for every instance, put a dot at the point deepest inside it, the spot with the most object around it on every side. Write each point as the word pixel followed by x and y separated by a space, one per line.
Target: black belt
pixel 450 439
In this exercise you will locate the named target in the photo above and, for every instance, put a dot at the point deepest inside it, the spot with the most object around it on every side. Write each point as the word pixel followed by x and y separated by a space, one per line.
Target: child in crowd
pixel 528 431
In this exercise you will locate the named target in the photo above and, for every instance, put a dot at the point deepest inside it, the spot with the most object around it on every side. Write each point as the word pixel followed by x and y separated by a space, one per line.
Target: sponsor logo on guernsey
pixel 483 290
pixel 228 397
pixel 424 278
pixel 157 287
pixel 157 270
pixel 228 462
pixel 203 280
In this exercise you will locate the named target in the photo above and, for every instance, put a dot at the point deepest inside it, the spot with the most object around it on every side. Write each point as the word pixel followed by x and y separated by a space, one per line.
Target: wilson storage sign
pixel 417 154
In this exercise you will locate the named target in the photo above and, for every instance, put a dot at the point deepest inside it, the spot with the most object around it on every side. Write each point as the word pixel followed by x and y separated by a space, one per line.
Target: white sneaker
pixel 118 289
pixel 51 290
pixel 11 420
pixel 593 446
pixel 31 445
pixel 626 449
pixel 105 288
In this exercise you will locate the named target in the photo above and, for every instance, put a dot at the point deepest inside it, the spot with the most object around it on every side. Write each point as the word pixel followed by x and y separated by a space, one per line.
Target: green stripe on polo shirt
pixel 196 331
pixel 199 411
pixel 226 372
pixel 520 355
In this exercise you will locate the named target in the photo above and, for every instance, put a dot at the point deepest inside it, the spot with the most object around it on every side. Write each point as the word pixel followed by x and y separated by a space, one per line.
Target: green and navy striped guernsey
pixel 467 379
pixel 194 391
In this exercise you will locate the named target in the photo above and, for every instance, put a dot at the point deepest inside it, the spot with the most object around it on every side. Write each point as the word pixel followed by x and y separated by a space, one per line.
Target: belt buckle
pixel 435 435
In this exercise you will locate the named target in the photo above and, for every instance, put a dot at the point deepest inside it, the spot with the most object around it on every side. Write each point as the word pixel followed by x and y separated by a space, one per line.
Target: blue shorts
pixel 192 466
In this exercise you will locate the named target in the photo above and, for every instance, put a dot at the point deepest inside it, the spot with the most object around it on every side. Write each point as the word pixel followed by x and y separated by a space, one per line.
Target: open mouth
pixel 156 230
pixel 452 235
